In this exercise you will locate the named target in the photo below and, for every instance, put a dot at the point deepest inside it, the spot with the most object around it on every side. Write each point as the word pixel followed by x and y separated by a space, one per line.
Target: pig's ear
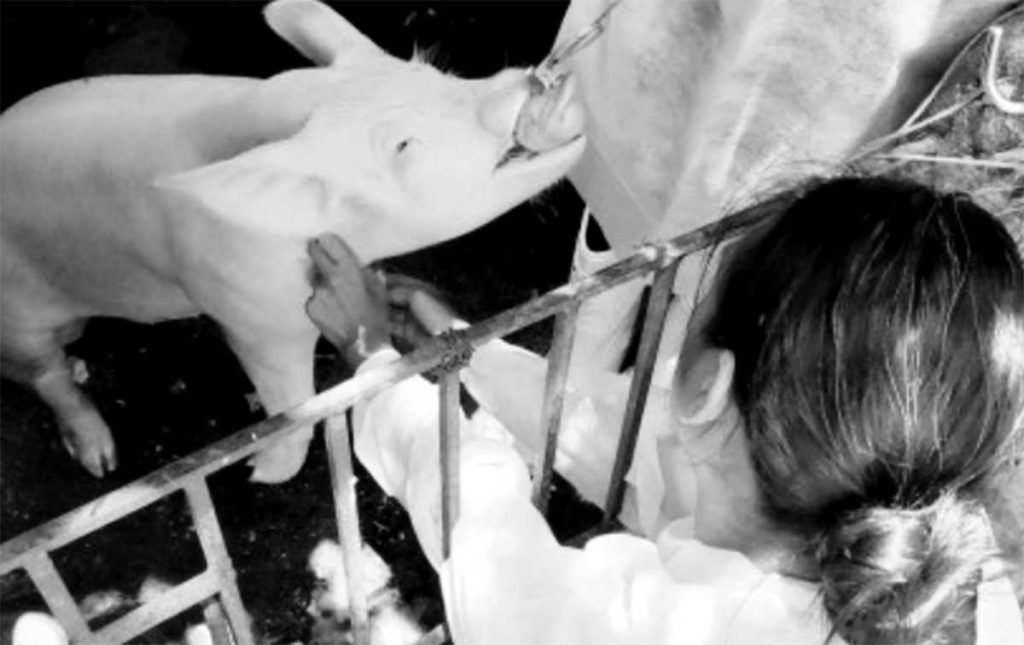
pixel 314 29
pixel 264 189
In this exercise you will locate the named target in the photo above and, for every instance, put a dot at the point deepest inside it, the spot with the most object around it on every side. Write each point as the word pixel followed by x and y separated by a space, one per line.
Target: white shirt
pixel 509 581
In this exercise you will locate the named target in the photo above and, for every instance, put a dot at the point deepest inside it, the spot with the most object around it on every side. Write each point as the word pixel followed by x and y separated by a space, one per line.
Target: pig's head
pixel 391 154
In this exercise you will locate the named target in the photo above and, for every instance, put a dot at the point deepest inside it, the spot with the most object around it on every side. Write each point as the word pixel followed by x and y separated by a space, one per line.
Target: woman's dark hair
pixel 878 330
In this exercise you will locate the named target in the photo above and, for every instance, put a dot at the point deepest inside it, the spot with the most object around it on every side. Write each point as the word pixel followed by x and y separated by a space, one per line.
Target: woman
pixel 838 418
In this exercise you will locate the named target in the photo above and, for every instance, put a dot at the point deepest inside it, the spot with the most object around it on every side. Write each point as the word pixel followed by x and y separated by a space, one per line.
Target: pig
pixel 153 198
pixel 695 108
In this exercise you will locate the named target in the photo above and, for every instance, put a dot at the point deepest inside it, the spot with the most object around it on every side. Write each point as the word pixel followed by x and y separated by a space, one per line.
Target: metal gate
pixel 215 588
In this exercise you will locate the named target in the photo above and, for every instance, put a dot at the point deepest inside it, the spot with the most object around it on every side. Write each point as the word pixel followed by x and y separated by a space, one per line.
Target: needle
pixel 586 36
pixel 545 74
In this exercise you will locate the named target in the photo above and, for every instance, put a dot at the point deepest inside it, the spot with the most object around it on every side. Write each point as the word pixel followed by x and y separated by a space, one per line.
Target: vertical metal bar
pixel 62 605
pixel 654 323
pixel 554 400
pixel 217 621
pixel 212 540
pixel 449 438
pixel 343 483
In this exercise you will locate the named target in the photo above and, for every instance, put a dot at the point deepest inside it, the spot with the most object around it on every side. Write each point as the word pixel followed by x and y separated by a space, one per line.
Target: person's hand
pixel 418 310
pixel 349 303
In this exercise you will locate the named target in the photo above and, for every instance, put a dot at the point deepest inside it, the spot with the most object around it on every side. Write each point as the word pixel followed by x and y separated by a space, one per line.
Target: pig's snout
pixel 567 121
pixel 551 118
pixel 498 110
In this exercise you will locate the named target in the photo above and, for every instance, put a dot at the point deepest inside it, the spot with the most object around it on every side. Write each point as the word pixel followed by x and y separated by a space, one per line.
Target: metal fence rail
pixel 216 587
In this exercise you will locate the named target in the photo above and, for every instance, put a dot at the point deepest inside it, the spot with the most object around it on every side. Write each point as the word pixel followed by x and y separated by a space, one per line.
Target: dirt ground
pixel 170 389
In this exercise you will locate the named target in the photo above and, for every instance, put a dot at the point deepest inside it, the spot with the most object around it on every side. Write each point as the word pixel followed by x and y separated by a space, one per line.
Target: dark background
pixel 170 389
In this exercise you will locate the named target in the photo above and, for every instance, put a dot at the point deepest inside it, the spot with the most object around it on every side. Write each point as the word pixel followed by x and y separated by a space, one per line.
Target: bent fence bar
pixel 215 588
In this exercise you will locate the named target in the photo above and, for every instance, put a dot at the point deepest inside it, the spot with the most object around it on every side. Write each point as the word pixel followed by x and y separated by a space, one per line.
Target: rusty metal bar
pixel 346 512
pixel 654 323
pixel 111 507
pixel 60 601
pixel 449 453
pixel 169 604
pixel 218 560
pixel 217 622
pixel 554 399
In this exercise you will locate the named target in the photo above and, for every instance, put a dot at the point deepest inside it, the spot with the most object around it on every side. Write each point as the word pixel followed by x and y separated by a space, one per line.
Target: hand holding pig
pixel 355 312
pixel 348 302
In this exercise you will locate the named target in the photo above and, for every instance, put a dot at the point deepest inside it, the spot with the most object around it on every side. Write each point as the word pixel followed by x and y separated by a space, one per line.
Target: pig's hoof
pixel 90 443
pixel 278 463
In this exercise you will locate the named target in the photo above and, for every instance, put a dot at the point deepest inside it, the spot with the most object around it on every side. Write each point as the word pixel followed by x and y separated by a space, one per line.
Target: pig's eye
pixel 403 145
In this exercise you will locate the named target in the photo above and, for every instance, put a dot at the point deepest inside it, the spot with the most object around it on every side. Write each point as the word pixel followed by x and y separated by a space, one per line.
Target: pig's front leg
pixel 282 371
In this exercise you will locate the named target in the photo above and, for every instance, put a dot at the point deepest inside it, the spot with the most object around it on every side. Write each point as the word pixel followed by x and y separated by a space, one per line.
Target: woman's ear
pixel 702 391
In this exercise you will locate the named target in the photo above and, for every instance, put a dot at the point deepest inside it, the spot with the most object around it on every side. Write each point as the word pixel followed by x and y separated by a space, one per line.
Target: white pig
pixel 695 107
pixel 161 197
pixel 698 107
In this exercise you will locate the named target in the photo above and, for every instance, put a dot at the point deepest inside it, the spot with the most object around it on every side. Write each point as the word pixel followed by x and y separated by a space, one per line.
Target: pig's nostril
pixel 500 110
pixel 550 118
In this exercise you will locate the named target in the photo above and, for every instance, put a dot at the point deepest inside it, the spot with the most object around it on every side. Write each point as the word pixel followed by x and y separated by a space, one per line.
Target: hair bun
pixel 895 575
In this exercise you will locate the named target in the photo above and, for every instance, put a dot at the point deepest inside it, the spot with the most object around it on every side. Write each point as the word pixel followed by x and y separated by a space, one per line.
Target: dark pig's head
pixel 394 155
